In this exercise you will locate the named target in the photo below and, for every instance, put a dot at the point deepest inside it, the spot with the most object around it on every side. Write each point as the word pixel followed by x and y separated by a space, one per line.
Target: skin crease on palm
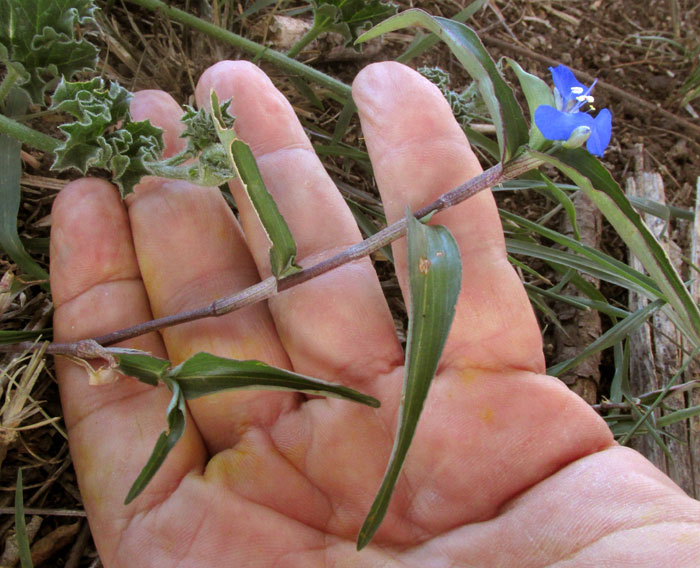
pixel 507 468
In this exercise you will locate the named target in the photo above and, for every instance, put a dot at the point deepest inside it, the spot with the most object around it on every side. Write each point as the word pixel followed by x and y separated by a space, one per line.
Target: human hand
pixel 507 468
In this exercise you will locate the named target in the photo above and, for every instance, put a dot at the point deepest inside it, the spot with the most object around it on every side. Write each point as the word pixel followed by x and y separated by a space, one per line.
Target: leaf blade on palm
pixel 435 273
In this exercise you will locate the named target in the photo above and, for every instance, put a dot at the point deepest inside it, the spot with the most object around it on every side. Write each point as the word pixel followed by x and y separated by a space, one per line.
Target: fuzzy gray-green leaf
pixel 42 42
pixel 435 275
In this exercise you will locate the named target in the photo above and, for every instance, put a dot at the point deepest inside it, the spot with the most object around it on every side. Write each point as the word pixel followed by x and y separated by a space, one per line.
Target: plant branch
pixel 279 59
pixel 269 287
pixel 305 40
pixel 27 135
pixel 638 401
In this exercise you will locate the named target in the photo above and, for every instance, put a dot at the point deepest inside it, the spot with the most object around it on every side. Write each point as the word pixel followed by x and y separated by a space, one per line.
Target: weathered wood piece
pixel 580 328
pixel 655 356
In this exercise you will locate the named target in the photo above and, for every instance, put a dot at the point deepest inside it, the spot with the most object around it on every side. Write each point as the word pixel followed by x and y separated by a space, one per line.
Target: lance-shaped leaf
pixel 505 112
pixel 435 275
pixel 283 251
pixel 595 181
pixel 204 374
pixel 166 441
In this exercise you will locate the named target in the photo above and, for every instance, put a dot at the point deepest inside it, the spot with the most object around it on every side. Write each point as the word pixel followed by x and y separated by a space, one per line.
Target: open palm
pixel 508 468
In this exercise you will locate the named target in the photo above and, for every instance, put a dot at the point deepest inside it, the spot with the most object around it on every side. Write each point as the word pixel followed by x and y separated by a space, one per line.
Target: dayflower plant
pixel 568 122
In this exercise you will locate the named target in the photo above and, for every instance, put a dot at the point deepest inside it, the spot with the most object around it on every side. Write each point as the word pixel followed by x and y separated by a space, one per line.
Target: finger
pixel 191 252
pixel 111 428
pixel 418 152
pixel 328 325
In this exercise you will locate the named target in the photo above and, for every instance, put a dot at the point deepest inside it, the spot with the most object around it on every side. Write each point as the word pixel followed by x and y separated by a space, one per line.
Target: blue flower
pixel 560 123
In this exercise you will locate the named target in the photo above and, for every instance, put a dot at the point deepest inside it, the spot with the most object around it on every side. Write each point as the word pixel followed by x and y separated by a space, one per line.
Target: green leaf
pixel 283 250
pixel 8 337
pixel 145 368
pixel 614 335
pixel 348 17
pixel 103 135
pixel 204 374
pixel 505 112
pixel 10 197
pixel 25 555
pixel 537 93
pixel 435 275
pixel 424 42
pixel 41 40
pixel 594 180
pixel 166 441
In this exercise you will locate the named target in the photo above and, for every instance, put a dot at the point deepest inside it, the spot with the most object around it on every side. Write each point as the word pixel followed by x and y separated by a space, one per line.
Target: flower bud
pixel 578 137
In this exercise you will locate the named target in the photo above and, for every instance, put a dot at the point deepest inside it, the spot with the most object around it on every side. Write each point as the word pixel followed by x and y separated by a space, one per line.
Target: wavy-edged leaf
pixel 594 180
pixel 204 374
pixel 284 249
pixel 41 40
pixel 505 112
pixel 24 553
pixel 435 275
pixel 348 17
pixel 166 441
pixel 103 134
pixel 145 368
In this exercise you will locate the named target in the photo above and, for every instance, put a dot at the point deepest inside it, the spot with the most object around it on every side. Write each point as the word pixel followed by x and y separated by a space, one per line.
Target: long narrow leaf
pixel 283 250
pixel 204 374
pixel 10 195
pixel 614 335
pixel 435 274
pixel 505 112
pixel 594 180
pixel 166 441
pixel 423 42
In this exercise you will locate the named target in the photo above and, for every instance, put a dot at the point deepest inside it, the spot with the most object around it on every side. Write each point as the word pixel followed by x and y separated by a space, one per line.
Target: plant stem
pixel 27 135
pixel 305 40
pixel 279 59
pixel 269 287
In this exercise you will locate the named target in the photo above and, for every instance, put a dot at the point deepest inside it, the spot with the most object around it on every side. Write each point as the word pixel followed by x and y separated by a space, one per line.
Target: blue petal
pixel 557 125
pixel 564 80
pixel 601 132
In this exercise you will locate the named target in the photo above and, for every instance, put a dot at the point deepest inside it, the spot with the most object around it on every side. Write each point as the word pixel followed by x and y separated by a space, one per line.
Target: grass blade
pixel 25 555
pixel 204 374
pixel 435 274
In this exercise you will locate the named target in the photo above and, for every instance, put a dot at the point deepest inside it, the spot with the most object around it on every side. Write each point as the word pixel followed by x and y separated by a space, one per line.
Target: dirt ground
pixel 641 52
